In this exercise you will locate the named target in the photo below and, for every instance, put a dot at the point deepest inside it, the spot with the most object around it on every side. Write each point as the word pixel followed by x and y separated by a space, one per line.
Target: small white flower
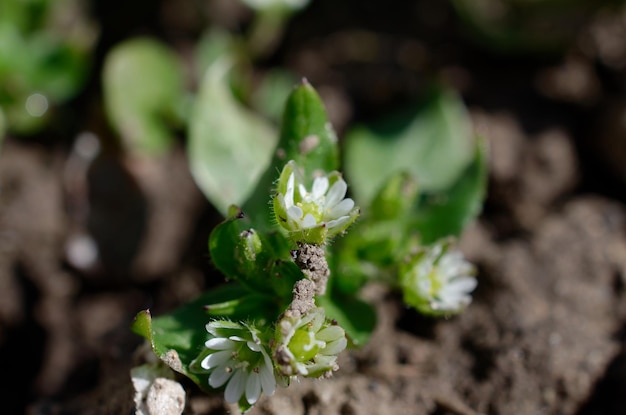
pixel 322 212
pixel 239 360
pixel 437 281
pixel 308 345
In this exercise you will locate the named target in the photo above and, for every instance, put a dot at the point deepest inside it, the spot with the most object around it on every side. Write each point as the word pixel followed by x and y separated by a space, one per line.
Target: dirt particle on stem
pixel 311 259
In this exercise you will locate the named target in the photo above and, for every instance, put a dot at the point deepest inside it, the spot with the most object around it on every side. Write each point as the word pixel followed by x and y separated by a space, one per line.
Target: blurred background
pixel 101 214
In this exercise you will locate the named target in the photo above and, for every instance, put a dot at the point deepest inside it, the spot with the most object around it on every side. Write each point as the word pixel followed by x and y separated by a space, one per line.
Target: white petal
pixel 320 186
pixel 216 359
pixel 463 284
pixel 343 208
pixel 330 334
pixel 452 264
pixel 314 323
pixel 295 213
pixel 253 388
pixel 219 343
pixel 335 347
pixel 236 386
pixel 309 221
pixel 254 347
pixel 237 339
pixel 452 299
pixel 219 376
pixel 338 223
pixel 289 192
pixel 268 381
pixel 336 193
pixel 303 193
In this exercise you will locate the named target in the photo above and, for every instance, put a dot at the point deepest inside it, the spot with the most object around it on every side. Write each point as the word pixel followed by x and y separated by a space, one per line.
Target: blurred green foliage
pixel 229 146
pixel 523 26
pixel 44 58
pixel 144 95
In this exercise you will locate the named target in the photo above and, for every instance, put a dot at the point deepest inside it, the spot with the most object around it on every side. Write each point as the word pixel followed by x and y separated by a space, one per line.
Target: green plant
pixel 291 247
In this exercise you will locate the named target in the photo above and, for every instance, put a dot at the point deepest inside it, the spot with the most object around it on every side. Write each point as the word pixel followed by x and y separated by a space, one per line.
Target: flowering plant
pixel 295 268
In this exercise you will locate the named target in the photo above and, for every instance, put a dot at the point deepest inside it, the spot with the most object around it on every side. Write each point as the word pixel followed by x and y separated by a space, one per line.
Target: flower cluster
pixel 308 345
pixel 438 281
pixel 236 357
pixel 313 216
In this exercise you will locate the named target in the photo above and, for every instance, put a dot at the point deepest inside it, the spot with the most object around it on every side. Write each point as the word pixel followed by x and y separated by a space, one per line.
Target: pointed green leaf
pixel 229 147
pixel 306 135
pixel 447 213
pixel 432 142
pixel 143 94
pixel 307 138
pixel 142 325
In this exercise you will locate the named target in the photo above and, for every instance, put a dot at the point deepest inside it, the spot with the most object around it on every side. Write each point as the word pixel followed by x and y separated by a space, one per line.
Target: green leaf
pixel 307 138
pixel 306 135
pixel 357 317
pixel 229 147
pixel 215 44
pixel 178 338
pixel 43 55
pixel 447 213
pixel 143 94
pixel 432 142
pixel 260 261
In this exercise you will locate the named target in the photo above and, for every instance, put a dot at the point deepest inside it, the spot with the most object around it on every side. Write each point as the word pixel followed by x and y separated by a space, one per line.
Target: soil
pixel 86 244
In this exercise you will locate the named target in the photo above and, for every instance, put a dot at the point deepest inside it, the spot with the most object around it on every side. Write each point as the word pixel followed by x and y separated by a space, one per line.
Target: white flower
pixel 240 362
pixel 438 282
pixel 317 214
pixel 308 345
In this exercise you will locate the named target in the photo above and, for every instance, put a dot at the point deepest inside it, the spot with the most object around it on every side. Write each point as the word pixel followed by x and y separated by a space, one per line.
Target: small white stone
pixel 165 397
